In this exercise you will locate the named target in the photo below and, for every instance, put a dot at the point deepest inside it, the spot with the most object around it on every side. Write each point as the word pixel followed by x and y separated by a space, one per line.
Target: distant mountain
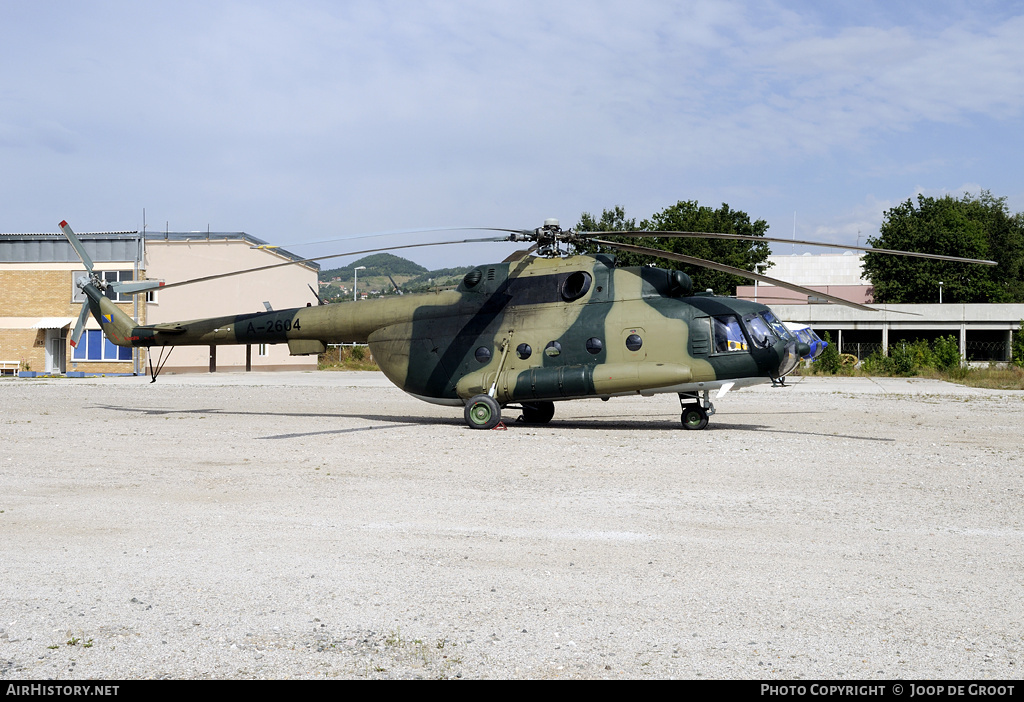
pixel 381 264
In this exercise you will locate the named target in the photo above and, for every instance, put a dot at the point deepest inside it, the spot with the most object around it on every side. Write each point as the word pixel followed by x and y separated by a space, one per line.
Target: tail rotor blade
pixel 133 287
pixel 77 333
pixel 77 246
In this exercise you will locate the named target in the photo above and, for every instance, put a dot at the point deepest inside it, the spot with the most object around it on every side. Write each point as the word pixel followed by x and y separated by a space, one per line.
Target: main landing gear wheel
pixel 694 417
pixel 696 411
pixel 538 412
pixel 482 412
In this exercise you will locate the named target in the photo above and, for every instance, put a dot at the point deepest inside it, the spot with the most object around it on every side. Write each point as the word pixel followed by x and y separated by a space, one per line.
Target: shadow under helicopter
pixel 603 423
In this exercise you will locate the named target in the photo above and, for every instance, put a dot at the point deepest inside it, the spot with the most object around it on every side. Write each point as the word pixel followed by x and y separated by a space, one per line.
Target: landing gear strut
pixel 155 371
pixel 695 410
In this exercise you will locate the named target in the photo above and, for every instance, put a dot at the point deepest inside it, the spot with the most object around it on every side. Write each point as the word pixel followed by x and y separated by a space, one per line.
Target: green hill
pixel 382 264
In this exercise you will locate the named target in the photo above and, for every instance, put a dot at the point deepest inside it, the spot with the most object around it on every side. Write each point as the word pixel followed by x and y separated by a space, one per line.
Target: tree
pixel 689 216
pixel 1018 346
pixel 971 227
pixel 828 361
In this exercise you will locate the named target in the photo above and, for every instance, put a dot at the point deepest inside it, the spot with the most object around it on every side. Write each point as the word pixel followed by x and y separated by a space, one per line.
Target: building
pixel 983 332
pixel 176 256
pixel 834 274
pixel 40 303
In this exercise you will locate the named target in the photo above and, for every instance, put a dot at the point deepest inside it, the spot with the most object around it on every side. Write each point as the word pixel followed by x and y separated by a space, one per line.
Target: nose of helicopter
pixel 790 353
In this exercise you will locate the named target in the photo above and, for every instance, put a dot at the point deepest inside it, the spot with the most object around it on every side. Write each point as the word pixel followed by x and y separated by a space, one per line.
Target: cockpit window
pixel 760 332
pixel 728 335
pixel 778 327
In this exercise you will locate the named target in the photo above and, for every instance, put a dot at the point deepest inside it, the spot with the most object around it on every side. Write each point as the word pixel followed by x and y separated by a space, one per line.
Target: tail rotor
pixel 94 286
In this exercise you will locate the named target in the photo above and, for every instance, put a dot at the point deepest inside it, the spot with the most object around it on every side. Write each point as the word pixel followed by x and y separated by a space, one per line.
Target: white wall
pixel 284 287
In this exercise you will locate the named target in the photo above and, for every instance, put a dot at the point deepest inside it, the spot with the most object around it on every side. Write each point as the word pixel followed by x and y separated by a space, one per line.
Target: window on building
pixel 94 346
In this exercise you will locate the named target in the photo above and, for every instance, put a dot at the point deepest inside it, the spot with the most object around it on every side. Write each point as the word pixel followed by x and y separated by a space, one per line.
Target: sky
pixel 305 121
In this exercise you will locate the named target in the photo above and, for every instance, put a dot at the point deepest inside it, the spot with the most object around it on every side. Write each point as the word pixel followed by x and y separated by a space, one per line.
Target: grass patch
pixel 347 358
pixel 1011 378
pixel 992 377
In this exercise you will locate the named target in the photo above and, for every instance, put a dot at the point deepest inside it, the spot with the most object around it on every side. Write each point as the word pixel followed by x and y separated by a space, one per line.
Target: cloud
pixel 380 115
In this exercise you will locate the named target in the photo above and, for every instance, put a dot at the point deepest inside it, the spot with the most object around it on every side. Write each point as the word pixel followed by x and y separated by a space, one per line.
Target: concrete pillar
pixel 885 339
pixel 963 343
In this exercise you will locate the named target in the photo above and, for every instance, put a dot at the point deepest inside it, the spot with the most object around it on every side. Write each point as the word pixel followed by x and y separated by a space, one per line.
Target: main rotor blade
pixel 77 246
pixel 323 258
pixel 394 232
pixel 319 300
pixel 682 258
pixel 755 239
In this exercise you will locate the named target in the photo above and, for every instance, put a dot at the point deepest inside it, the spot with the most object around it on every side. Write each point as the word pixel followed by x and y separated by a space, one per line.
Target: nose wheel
pixel 694 417
pixel 696 410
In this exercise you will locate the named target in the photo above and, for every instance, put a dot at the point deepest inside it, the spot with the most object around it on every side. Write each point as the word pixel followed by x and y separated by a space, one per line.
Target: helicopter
pixel 543 326
pixel 804 333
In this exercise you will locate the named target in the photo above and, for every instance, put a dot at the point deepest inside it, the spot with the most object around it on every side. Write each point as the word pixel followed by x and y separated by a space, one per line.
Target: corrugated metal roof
pixel 50 247
pixel 54 248
pixel 214 236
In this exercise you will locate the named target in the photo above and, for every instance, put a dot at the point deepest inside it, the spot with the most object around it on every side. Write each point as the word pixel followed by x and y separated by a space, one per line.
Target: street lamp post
pixel 355 284
pixel 758 268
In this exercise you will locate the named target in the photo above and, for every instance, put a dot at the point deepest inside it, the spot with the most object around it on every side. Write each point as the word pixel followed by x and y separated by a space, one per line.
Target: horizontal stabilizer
pixel 169 328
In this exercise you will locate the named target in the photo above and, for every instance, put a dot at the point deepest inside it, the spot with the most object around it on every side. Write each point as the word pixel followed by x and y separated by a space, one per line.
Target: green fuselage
pixel 536 328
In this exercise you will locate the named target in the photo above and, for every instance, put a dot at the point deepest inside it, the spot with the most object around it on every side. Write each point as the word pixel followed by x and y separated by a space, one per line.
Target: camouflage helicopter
pixel 541 327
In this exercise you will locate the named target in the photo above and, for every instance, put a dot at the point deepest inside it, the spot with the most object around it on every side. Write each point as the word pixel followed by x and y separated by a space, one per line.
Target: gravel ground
pixel 309 525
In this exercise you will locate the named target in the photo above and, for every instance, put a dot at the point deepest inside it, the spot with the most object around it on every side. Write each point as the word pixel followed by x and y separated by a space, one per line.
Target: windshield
pixel 760 332
pixel 778 327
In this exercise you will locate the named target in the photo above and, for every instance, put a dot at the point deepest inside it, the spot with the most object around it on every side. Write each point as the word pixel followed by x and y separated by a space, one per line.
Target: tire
pixel 538 412
pixel 482 412
pixel 694 417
